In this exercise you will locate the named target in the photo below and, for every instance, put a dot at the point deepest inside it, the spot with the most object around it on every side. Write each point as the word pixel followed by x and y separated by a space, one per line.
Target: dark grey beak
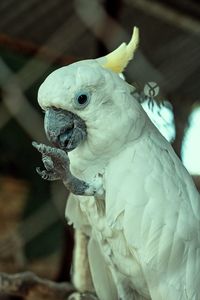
pixel 64 129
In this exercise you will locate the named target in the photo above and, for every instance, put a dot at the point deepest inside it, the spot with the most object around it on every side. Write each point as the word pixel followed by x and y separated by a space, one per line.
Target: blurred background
pixel 37 37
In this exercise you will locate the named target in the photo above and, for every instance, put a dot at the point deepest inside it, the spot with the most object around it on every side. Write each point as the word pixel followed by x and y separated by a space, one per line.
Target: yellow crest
pixel 119 58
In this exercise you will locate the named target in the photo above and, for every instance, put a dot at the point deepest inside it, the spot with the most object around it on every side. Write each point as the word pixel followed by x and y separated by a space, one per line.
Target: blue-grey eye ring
pixel 82 100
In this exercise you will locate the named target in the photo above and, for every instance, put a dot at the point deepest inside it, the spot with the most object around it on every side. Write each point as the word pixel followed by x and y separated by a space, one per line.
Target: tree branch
pixel 29 286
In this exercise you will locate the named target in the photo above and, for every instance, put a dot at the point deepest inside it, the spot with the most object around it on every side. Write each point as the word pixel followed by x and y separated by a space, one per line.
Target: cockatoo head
pixel 86 102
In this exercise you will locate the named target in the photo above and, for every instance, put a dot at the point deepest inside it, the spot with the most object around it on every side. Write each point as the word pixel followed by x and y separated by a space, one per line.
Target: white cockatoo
pixel 134 198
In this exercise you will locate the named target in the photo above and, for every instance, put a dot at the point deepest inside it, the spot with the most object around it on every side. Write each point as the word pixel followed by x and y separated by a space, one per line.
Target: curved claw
pixel 42 173
pixel 47 175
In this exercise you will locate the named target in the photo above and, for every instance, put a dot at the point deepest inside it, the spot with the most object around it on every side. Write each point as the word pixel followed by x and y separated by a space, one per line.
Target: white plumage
pixel 145 232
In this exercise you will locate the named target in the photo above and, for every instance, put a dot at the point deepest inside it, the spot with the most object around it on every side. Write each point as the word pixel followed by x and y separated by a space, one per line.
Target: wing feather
pixel 161 208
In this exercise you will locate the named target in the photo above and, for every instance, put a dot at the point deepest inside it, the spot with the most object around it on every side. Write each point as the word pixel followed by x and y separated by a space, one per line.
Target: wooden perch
pixel 31 287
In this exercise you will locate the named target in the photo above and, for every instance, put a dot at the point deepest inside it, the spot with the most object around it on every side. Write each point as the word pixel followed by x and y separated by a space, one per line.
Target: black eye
pixel 81 100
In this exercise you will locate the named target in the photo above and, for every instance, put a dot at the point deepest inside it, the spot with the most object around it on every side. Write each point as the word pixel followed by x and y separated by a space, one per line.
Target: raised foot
pixel 56 163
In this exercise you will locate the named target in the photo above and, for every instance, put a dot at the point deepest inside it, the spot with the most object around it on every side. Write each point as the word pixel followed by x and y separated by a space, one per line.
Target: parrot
pixel 131 194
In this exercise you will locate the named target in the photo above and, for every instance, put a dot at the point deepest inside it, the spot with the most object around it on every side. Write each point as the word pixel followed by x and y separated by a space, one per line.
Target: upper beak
pixel 64 129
